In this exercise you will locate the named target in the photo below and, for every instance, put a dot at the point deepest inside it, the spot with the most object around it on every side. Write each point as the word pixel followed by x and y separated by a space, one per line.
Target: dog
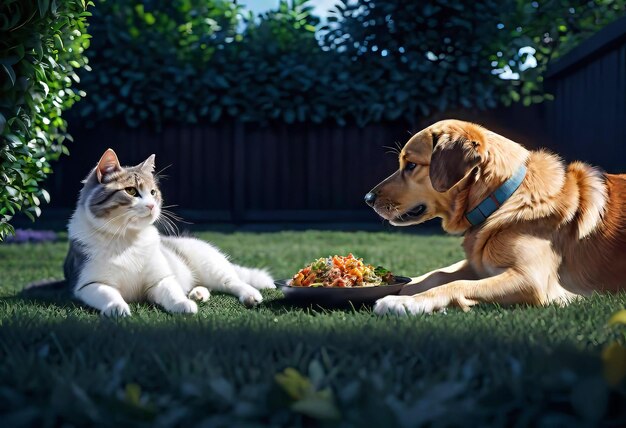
pixel 536 230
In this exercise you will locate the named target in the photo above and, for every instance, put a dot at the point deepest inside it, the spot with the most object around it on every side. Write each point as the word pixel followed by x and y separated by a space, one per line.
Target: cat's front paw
pixel 184 307
pixel 262 280
pixel 116 310
pixel 251 298
pixel 199 294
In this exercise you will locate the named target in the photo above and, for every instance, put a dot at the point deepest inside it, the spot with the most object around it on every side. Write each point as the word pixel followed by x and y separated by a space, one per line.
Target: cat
pixel 116 254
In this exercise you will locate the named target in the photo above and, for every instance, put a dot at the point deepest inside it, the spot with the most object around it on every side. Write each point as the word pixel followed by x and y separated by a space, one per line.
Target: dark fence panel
pixel 587 120
pixel 247 173
pixel 235 172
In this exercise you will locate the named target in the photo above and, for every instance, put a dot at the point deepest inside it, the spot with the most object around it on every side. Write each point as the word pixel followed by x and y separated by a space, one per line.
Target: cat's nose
pixel 150 206
pixel 370 198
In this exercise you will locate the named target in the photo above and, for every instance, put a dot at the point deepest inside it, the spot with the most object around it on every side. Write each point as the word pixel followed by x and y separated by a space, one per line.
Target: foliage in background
pixel 185 61
pixel 445 54
pixel 551 29
pixel 419 57
pixel 41 46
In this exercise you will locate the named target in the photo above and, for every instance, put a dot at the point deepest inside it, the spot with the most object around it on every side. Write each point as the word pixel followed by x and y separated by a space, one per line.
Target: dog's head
pixel 435 164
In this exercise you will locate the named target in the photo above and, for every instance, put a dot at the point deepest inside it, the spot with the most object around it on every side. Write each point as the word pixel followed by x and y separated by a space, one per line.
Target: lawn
pixel 64 365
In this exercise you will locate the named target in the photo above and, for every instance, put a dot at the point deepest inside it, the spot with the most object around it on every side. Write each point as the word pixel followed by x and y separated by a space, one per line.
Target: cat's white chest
pixel 127 267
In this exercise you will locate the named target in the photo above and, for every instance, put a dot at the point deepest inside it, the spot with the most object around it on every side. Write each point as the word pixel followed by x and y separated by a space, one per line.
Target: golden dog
pixel 557 233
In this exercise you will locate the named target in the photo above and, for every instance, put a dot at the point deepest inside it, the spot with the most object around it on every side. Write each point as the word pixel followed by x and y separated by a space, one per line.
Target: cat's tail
pixel 258 278
pixel 45 285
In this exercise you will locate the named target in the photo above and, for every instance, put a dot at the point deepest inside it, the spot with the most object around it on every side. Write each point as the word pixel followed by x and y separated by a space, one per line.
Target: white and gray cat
pixel 116 254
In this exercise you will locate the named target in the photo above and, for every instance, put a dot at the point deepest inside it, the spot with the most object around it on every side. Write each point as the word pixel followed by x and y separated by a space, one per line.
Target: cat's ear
pixel 148 164
pixel 107 164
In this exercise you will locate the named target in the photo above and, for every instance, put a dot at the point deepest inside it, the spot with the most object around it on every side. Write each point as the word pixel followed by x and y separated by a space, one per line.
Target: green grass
pixel 61 364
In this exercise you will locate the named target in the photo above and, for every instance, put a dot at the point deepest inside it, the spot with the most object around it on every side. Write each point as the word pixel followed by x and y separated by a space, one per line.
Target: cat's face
pixel 119 198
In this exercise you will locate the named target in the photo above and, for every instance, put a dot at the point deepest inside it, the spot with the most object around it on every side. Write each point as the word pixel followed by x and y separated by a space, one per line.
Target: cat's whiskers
pixel 161 170
pixel 174 216
pixel 169 224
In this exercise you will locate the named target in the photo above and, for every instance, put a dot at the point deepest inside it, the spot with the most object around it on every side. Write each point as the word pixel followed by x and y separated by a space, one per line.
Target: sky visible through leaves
pixel 321 7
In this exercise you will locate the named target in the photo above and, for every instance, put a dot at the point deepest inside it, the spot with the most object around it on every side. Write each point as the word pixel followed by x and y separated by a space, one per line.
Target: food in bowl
pixel 341 271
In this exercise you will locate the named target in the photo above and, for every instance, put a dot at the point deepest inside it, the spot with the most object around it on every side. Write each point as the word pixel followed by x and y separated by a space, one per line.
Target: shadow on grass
pixel 45 294
pixel 487 366
pixel 283 304
pixel 57 293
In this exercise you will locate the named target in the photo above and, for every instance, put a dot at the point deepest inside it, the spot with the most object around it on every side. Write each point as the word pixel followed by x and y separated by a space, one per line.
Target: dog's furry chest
pixel 474 246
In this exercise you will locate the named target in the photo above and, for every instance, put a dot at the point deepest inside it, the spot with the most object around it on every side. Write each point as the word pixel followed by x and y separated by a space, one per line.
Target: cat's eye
pixel 410 166
pixel 131 191
pixel 153 192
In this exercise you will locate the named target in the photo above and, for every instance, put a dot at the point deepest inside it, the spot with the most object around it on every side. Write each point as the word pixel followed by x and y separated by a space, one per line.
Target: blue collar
pixel 492 202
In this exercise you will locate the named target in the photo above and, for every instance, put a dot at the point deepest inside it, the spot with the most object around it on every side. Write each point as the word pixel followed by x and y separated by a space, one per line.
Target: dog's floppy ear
pixel 454 156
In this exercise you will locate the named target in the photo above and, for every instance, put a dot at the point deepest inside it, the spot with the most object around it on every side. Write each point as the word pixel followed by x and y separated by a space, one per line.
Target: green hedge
pixel 185 61
pixel 41 46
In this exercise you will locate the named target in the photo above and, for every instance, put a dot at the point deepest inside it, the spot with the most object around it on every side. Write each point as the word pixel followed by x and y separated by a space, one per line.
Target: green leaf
pixel 29 215
pixel 133 394
pixel 149 18
pixel 10 72
pixel 293 383
pixel 58 42
pixel 46 88
pixel 46 195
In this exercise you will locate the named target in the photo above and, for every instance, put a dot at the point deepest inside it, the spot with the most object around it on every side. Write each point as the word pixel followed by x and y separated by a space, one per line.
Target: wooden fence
pixel 587 119
pixel 241 173
pixel 235 172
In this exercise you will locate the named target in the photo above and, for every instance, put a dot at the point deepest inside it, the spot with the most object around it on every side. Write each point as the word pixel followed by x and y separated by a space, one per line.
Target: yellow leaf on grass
pixel 614 358
pixel 133 394
pixel 618 318
pixel 294 384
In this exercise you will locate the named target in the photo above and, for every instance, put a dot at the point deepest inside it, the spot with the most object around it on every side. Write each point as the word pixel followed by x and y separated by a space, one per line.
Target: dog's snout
pixel 370 198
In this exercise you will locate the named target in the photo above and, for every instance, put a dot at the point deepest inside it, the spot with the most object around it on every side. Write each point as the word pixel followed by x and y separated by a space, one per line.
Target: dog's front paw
pixel 116 310
pixel 184 307
pixel 251 298
pixel 408 305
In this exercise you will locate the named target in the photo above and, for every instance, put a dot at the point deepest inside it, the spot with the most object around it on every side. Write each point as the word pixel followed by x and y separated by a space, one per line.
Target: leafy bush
pixel 191 60
pixel 185 60
pixel 420 56
pixel 445 54
pixel 552 29
pixel 41 46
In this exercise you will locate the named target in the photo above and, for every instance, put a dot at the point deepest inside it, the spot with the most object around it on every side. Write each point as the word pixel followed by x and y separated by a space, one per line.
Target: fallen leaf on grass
pixel 317 404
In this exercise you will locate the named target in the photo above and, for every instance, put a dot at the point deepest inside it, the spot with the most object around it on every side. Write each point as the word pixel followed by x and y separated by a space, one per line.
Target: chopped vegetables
pixel 341 271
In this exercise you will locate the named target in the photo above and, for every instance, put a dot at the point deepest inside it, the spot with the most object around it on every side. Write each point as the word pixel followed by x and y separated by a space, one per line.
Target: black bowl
pixel 338 296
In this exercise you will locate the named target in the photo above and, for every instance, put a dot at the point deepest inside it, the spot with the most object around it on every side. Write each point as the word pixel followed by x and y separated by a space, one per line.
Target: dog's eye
pixel 410 166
